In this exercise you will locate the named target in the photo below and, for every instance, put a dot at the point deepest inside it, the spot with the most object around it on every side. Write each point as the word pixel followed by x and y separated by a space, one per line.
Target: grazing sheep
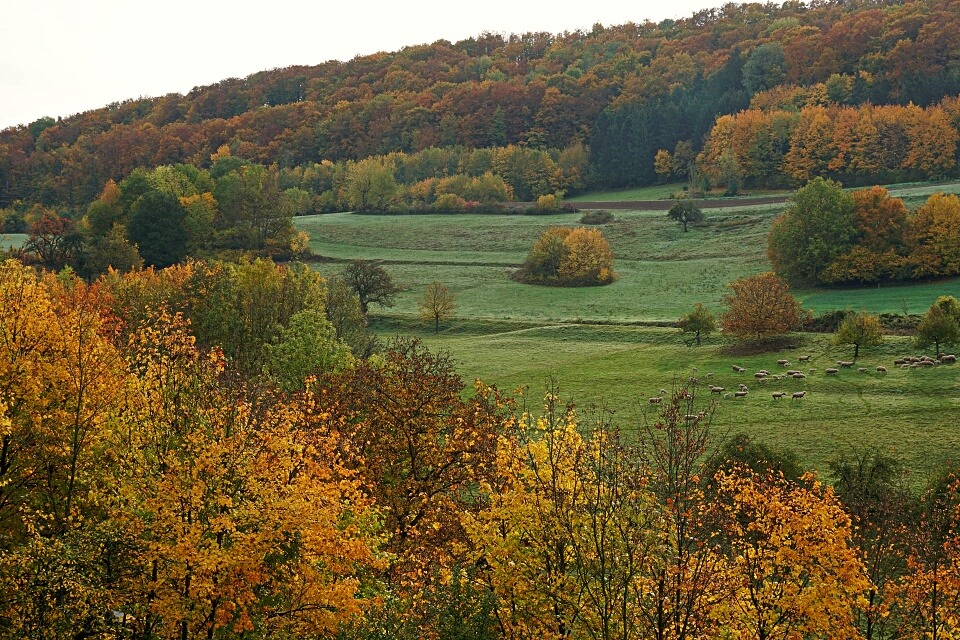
pixel 798 394
pixel 948 359
pixel 691 417
pixel 764 372
pixel 861 369
pixel 881 369
pixel 760 375
pixel 783 363
pixel 830 371
pixel 900 361
pixel 778 394
pixel 805 358
pixel 656 400
pixel 742 387
pixel 717 390
pixel 812 371
pixel 738 369
pixel 798 376
pixel 844 364
pixel 740 394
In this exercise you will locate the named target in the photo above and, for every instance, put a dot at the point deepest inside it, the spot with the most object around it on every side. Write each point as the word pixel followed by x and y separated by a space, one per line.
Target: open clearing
pixel 588 341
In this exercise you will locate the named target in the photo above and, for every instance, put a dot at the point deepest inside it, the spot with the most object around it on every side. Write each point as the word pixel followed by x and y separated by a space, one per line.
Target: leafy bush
pixel 569 257
pixel 599 216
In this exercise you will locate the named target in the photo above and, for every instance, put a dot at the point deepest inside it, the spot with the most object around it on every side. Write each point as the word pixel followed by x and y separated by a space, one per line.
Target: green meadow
pixel 600 347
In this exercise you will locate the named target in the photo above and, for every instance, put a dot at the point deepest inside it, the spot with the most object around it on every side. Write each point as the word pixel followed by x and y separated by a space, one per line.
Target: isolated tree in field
pixel 698 322
pixel 937 327
pixel 371 283
pixel 760 306
pixel 685 212
pixel 437 304
pixel 859 329
pixel 818 226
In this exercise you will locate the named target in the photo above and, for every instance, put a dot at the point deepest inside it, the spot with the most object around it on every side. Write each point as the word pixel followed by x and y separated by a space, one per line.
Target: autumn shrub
pixel 448 202
pixel 599 216
pixel 569 257
pixel 548 203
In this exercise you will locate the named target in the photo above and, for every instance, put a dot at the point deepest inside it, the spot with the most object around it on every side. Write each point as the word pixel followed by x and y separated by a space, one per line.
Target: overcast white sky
pixel 60 57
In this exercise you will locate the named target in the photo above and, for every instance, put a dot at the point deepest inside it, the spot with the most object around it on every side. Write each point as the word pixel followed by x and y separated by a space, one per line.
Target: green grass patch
pixel 907 413
pixel 12 240
pixel 902 299
pixel 589 340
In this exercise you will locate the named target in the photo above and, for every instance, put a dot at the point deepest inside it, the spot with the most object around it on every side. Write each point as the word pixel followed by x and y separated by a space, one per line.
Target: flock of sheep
pixel 764 376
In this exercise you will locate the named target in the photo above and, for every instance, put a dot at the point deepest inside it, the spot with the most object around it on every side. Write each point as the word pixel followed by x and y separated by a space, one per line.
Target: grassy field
pixel 913 193
pixel 589 342
pixel 12 240
pixel 911 414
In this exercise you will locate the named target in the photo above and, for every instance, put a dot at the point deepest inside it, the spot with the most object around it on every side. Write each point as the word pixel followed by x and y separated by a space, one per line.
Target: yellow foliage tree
pixel 240 521
pixel 793 572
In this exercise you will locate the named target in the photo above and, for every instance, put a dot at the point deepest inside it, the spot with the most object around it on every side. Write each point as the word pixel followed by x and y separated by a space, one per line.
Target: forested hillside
pixel 620 93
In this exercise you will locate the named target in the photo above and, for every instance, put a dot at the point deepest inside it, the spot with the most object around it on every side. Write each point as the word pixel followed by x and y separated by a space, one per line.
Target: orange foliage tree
pixel 760 306
pixel 419 449
pixel 933 237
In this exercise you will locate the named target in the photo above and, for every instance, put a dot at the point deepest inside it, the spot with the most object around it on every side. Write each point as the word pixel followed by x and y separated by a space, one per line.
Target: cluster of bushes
pixel 569 257
pixel 598 216
pixel 831 237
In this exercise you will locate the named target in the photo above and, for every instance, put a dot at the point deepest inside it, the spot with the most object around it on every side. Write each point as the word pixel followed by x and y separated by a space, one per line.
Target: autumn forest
pixel 213 426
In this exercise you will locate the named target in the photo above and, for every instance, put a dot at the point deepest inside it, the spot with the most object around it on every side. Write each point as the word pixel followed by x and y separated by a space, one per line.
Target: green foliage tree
pixel 437 304
pixel 252 215
pixel 111 251
pixel 938 328
pixel 307 346
pixel 699 322
pixel 859 329
pixel 685 212
pixel 371 185
pixel 818 225
pixel 156 227
pixel 742 452
pixel 765 67
pixel 371 283
pixel 343 312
